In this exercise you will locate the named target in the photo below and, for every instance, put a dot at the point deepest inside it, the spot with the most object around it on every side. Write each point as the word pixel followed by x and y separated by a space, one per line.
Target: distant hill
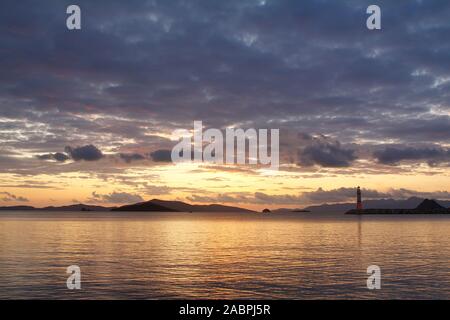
pixel 428 204
pixel 145 206
pixel 178 206
pixel 289 210
pixel 17 208
pixel 425 207
pixel 76 207
pixel 410 203
pixel 152 205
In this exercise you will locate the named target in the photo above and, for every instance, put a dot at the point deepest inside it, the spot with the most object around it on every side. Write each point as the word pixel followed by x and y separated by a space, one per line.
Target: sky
pixel 87 115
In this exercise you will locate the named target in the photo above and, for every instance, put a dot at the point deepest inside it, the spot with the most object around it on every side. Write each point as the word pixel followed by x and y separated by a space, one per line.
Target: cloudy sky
pixel 87 115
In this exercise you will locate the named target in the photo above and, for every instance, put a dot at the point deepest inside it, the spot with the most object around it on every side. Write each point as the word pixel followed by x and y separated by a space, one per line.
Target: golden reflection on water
pixel 154 256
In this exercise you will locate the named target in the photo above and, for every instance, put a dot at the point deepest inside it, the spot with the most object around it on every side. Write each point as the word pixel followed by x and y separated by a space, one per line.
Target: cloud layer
pixel 433 156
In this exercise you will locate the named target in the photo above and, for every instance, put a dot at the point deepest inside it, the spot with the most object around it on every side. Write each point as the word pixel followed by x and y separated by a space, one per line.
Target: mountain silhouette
pixel 428 204
pixel 76 207
pixel 178 206
pixel 410 203
pixel 154 205
pixel 145 206
pixel 22 208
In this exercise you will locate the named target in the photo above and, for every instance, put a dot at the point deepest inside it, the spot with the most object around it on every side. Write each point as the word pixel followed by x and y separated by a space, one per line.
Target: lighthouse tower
pixel 358 199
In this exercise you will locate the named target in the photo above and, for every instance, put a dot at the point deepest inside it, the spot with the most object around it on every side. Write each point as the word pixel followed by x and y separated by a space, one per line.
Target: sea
pixel 129 255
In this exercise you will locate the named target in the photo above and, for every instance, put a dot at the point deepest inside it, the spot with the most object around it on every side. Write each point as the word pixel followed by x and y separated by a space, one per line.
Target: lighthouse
pixel 358 199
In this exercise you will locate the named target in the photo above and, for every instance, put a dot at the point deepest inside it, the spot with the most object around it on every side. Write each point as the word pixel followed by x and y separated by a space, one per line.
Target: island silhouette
pixel 154 205
pixel 413 205
pixel 427 206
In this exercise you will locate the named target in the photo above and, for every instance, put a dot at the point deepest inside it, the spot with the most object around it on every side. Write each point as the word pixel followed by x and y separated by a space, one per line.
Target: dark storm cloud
pixel 161 155
pixel 326 153
pixel 58 156
pixel 139 67
pixel 436 128
pixel 431 155
pixel 61 157
pixel 87 153
pixel 130 157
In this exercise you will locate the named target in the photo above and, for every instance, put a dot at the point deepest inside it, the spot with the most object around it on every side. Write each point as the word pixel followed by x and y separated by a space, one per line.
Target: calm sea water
pixel 222 256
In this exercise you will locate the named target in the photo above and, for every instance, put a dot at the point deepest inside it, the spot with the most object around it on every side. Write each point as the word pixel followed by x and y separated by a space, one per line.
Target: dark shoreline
pixel 398 211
